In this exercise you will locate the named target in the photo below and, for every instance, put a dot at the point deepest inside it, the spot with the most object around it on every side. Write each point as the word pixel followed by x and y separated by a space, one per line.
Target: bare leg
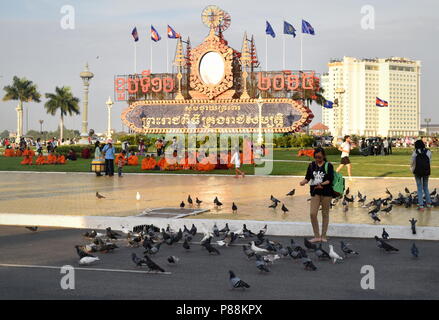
pixel 349 169
pixel 340 167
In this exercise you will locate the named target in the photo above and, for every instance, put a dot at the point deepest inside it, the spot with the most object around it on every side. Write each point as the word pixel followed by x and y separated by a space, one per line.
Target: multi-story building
pixel 356 83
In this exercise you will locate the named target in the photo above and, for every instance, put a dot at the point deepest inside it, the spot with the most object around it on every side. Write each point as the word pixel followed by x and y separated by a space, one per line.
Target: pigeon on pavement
pixel 99 196
pixel 85 261
pixel 413 225
pixel 236 282
pixel 261 264
pixel 346 250
pixel 414 250
pixel 334 255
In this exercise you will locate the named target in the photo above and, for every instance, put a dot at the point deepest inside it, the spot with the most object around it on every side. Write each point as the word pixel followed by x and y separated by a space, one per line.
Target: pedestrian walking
pixel 345 149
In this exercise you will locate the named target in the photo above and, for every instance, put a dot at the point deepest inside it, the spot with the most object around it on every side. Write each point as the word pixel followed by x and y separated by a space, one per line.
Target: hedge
pixel 78 149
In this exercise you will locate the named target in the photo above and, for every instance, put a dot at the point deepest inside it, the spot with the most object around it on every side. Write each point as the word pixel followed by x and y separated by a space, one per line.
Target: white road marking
pixel 7 265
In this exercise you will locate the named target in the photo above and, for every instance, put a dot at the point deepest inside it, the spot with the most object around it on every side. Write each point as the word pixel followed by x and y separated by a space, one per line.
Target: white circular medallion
pixel 212 68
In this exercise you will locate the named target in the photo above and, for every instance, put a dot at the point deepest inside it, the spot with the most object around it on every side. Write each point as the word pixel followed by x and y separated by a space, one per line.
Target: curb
pixel 201 175
pixel 273 227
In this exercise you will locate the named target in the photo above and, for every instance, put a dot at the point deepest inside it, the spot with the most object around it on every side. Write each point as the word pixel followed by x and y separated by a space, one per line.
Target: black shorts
pixel 345 160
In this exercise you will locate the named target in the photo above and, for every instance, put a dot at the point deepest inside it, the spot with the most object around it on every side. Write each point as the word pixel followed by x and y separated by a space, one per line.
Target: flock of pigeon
pixel 263 250
pixel 257 247
pixel 384 204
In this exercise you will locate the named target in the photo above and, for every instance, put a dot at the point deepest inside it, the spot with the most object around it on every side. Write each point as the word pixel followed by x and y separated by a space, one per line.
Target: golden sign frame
pixel 215 91
pixel 297 125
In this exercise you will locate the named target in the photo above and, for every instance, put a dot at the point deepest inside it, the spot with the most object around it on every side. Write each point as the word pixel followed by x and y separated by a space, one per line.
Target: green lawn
pixel 395 165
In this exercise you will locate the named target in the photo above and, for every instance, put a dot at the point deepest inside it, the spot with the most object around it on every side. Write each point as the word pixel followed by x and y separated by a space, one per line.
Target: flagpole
pixel 283 60
pixel 150 54
pixel 135 57
pixel 301 48
pixel 266 52
pixel 167 55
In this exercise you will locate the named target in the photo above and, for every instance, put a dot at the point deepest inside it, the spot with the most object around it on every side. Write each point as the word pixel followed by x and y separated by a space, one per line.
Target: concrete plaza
pixel 30 262
pixel 74 194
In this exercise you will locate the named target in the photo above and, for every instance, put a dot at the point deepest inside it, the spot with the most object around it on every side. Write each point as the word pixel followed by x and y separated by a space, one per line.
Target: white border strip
pixel 203 175
pixel 278 228
pixel 7 265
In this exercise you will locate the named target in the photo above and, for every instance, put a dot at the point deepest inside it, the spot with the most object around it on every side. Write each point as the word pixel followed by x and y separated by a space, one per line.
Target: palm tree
pixel 64 101
pixel 22 90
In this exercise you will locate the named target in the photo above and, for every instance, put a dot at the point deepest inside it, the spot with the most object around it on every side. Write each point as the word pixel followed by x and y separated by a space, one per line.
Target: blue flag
pixel 135 34
pixel 289 29
pixel 328 104
pixel 307 28
pixel 269 30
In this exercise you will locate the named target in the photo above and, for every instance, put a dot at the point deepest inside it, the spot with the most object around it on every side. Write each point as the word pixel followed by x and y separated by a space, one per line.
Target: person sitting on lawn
pixel 71 155
pixel 28 156
pixel 145 161
pixel 121 156
pixel 163 165
pixel 51 158
pixel 153 163
pixel 41 160
pixel 60 159
pixel 133 160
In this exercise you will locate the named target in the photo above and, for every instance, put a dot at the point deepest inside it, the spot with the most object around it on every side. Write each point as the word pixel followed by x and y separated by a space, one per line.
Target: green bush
pixel 293 140
pixel 64 150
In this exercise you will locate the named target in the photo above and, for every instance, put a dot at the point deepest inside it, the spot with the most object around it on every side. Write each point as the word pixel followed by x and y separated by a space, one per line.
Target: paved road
pixel 200 276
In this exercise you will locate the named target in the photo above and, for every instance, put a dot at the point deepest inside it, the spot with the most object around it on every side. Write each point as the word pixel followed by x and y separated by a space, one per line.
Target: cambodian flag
pixel 135 35
pixel 328 104
pixel 381 103
pixel 154 34
pixel 172 34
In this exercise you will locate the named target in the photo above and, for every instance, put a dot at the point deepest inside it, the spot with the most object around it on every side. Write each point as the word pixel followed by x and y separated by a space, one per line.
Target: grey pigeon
pixel 236 282
pixel 321 253
pixel 261 264
pixel 346 250
pixel 385 235
pixel 248 252
pixel 384 245
pixel 413 225
pixel 173 259
pixel 137 261
pixel 291 193
pixel 414 250
pixel 309 265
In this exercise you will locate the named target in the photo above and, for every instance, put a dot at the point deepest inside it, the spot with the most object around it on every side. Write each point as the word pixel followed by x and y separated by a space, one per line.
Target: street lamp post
pixel 109 104
pixel 86 76
pixel 427 121
pixel 41 125
pixel 339 126
pixel 260 104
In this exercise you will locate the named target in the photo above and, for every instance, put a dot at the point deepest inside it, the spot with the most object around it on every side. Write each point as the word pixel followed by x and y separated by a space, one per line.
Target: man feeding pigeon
pixel 319 175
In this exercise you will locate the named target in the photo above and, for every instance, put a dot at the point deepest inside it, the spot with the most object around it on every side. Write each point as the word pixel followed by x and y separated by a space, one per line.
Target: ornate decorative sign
pixel 216 89
pixel 190 116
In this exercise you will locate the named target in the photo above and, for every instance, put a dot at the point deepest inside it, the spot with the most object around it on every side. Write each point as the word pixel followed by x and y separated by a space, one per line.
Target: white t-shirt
pixel 236 159
pixel 346 146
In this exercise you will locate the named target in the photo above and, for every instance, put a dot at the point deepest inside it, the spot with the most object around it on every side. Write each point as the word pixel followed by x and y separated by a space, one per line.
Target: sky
pixel 35 46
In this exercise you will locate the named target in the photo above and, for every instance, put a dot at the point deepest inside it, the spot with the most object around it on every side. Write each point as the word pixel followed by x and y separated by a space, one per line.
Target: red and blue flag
pixel 135 34
pixel 381 103
pixel 172 34
pixel 154 34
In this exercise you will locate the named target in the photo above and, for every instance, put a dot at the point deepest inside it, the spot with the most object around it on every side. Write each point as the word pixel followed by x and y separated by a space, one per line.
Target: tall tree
pixel 22 90
pixel 64 102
